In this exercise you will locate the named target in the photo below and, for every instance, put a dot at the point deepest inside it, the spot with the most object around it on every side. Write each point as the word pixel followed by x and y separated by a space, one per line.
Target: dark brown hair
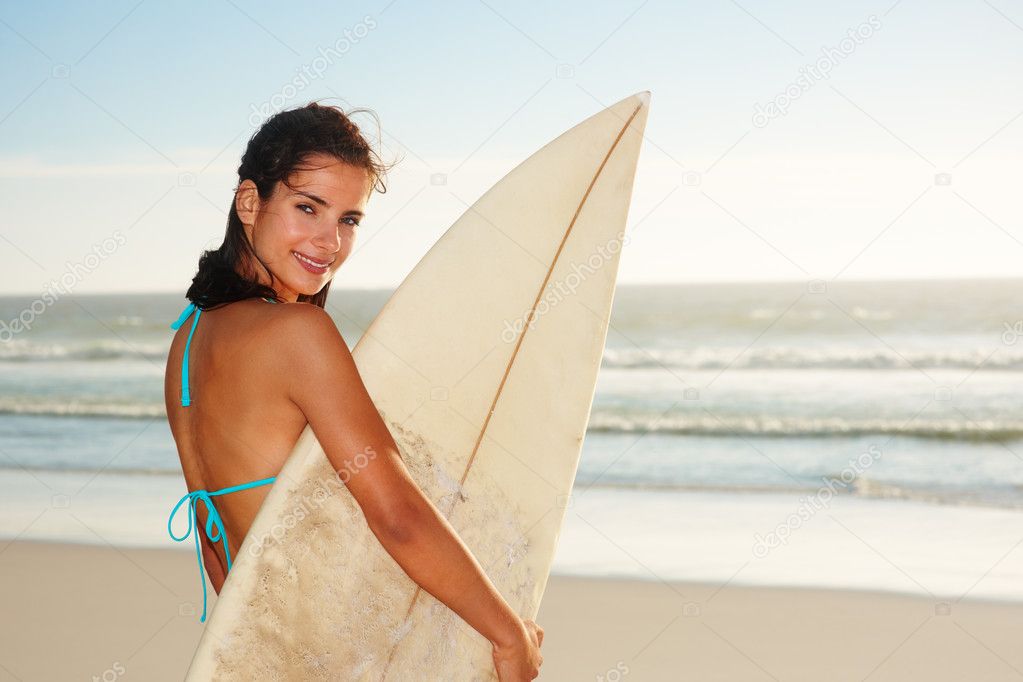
pixel 280 146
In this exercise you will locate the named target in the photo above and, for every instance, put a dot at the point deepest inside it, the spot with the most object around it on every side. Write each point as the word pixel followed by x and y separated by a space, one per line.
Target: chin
pixel 310 284
pixel 308 290
pixel 314 288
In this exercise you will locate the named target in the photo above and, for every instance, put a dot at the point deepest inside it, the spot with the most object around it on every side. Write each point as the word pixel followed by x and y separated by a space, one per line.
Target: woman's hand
pixel 520 659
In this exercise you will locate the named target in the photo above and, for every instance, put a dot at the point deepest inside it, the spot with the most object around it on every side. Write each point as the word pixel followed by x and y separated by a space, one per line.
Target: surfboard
pixel 483 365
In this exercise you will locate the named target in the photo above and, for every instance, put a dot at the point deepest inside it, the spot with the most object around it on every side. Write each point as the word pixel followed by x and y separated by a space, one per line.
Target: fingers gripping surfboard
pixel 483 365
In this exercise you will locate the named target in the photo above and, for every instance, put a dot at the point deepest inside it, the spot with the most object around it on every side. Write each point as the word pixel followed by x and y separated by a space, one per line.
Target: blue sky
pixel 901 163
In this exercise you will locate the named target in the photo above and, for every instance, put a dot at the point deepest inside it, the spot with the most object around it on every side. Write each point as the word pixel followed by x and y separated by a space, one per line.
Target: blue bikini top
pixel 214 524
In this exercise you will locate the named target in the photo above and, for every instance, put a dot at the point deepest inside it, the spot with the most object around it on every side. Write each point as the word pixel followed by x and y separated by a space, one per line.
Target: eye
pixel 301 206
pixel 355 221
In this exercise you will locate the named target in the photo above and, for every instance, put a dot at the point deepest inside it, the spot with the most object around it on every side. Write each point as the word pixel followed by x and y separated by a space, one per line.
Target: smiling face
pixel 304 232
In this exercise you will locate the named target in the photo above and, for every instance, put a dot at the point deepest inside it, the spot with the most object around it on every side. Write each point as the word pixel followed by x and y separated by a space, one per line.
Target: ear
pixel 246 203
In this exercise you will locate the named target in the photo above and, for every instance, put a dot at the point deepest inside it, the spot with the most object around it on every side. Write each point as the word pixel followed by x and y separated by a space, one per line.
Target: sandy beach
pixel 106 613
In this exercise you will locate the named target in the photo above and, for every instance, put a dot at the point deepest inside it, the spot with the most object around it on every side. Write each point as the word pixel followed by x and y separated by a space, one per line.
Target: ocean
pixel 840 434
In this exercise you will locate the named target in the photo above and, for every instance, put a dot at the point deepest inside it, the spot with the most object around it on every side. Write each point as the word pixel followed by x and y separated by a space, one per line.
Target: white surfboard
pixel 483 365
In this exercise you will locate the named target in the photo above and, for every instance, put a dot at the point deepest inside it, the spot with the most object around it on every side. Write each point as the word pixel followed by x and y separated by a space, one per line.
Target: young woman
pixel 267 359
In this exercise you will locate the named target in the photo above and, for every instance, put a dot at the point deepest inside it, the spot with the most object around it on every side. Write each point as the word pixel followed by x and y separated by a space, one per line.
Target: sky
pixel 785 141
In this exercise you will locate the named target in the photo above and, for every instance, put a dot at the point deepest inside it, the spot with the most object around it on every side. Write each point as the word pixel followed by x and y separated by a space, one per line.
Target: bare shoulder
pixel 319 375
pixel 304 335
pixel 296 317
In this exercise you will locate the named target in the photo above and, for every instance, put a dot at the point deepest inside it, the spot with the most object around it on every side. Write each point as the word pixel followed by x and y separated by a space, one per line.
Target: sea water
pixel 839 434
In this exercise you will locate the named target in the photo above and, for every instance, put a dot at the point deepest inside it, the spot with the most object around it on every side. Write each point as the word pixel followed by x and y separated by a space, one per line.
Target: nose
pixel 328 237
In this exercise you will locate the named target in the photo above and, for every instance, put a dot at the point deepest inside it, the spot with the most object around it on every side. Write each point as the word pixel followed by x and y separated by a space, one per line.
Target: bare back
pixel 241 425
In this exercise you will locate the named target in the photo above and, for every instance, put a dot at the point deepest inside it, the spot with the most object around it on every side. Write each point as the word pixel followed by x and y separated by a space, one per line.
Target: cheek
pixel 281 228
pixel 296 224
pixel 291 231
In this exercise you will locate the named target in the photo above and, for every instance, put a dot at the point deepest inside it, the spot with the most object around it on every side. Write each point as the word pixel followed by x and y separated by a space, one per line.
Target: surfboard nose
pixel 639 106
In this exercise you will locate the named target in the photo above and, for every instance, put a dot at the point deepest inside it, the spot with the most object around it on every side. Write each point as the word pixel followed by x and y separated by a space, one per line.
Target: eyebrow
pixel 324 202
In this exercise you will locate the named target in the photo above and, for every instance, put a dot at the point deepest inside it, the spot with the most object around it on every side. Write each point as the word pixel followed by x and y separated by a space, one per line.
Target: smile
pixel 312 265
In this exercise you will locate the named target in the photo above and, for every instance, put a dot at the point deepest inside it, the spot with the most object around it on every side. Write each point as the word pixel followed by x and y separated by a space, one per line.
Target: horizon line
pixel 701 282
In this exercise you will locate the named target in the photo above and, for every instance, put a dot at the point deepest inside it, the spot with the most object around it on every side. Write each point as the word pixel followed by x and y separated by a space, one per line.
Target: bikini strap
pixel 213 521
pixel 214 525
pixel 244 486
pixel 186 398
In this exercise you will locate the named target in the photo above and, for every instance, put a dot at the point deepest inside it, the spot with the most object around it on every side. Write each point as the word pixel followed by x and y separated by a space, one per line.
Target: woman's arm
pixel 323 381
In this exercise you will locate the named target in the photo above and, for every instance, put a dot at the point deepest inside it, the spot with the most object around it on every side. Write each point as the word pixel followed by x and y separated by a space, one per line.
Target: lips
pixel 315 261
pixel 313 265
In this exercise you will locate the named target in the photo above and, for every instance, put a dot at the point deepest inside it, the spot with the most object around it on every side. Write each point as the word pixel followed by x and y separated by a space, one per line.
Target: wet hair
pixel 282 145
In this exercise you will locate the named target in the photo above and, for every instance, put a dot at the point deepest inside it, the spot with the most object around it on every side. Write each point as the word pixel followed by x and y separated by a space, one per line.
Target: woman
pixel 240 391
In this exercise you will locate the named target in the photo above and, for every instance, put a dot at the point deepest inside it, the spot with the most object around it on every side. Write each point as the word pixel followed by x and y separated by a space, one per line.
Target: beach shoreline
pixel 95 612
